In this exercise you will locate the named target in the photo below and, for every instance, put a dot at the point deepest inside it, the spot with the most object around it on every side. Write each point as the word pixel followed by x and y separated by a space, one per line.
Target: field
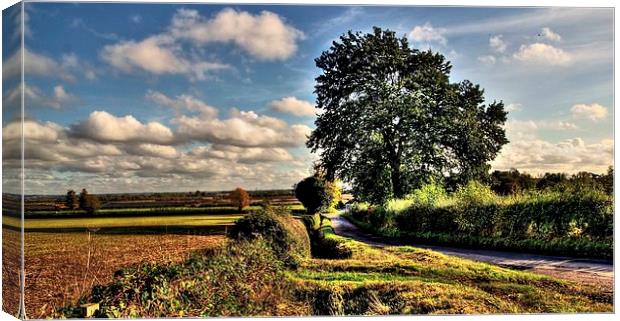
pixel 59 269
pixel 68 253
pixel 123 222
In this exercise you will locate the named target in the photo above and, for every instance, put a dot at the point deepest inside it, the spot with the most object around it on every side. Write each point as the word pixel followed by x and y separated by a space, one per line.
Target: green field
pixel 123 222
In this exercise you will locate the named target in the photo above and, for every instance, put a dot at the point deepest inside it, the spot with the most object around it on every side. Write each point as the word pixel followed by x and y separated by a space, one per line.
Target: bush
pixel 241 279
pixel 329 247
pixel 315 193
pixel 571 217
pixel 325 244
pixel 286 235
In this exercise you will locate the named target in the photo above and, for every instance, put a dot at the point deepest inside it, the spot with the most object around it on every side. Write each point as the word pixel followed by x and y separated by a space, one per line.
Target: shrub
pixel 329 247
pixel 286 235
pixel 241 279
pixel 315 193
pixel 570 217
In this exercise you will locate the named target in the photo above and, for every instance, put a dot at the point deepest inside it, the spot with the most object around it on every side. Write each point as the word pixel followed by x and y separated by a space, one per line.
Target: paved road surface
pixel 596 272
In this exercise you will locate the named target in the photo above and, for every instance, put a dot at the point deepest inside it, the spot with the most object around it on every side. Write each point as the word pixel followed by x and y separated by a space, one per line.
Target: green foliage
pixel 71 200
pixel 286 235
pixel 392 120
pixel 241 279
pixel 580 217
pixel 89 203
pixel 315 193
pixel 325 244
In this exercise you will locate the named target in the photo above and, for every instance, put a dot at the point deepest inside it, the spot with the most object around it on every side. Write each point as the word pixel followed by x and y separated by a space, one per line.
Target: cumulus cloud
pixel 265 35
pixel 182 102
pixel 244 154
pixel 243 129
pixel 163 151
pixel 294 106
pixel 550 34
pixel 105 127
pixel 593 112
pixel 34 65
pixel 34 97
pixel 542 54
pixel 428 34
pixel 537 156
pixel 528 151
pixel 158 55
pixel 497 44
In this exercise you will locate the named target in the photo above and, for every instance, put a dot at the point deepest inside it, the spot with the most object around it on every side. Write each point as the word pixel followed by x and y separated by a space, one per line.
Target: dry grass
pixel 59 270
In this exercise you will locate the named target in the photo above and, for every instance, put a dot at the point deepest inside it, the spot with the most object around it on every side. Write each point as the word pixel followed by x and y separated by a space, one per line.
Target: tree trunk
pixel 397 187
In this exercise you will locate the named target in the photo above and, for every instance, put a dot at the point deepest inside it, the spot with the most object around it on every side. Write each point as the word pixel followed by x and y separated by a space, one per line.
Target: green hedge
pixel 576 222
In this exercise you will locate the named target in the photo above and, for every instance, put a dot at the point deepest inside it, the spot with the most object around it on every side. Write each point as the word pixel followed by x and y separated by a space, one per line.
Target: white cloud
pixel 244 129
pixel 158 55
pixel 513 107
pixel 489 59
pixel 497 44
pixel 542 54
pixel 182 102
pixel 34 65
pixel 593 112
pixel 527 126
pixel 265 36
pixel 163 151
pixel 428 34
pixel 33 96
pixel 550 34
pixel 105 127
pixel 537 156
pixel 244 154
pixel 528 151
pixel 292 105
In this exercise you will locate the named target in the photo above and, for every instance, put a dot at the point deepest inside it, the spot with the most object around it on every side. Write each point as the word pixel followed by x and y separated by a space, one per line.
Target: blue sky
pixel 224 94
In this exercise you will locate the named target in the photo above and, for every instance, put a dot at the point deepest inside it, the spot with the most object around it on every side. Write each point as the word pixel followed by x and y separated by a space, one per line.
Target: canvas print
pixel 208 160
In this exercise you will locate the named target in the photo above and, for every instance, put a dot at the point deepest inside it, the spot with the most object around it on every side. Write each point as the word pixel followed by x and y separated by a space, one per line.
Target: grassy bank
pixel 249 278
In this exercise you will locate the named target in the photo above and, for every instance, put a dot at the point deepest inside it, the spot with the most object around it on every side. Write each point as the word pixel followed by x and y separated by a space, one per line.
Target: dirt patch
pixel 59 268
pixel 10 270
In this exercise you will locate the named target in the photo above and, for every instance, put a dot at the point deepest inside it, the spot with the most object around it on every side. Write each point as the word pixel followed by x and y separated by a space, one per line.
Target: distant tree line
pixel 514 182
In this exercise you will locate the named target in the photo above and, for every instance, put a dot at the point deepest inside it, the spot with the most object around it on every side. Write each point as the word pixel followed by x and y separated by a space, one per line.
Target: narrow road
pixel 594 272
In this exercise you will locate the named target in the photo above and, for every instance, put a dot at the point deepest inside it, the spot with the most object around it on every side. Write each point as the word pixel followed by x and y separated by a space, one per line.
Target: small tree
pixel 240 198
pixel 315 193
pixel 89 203
pixel 71 200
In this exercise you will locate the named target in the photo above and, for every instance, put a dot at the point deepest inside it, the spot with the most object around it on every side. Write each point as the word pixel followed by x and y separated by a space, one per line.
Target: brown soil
pixel 59 270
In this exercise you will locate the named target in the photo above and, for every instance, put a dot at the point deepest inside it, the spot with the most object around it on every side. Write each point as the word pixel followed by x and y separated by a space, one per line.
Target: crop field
pixel 59 268
pixel 210 220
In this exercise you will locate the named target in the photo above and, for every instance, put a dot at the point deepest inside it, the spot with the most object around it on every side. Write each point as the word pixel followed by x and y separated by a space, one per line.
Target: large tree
pixel 392 119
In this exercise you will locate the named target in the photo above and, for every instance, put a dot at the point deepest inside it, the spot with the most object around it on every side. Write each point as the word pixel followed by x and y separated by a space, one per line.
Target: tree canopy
pixel 392 119
pixel 315 193
pixel 239 198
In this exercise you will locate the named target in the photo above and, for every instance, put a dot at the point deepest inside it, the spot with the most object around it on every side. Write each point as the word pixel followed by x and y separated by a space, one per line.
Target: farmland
pixel 68 251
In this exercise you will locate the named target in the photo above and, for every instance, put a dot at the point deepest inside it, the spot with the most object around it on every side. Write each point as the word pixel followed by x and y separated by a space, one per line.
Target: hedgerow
pixel 577 221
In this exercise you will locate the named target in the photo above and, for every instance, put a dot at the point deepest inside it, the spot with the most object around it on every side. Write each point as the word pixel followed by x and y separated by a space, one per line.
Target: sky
pixel 181 97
